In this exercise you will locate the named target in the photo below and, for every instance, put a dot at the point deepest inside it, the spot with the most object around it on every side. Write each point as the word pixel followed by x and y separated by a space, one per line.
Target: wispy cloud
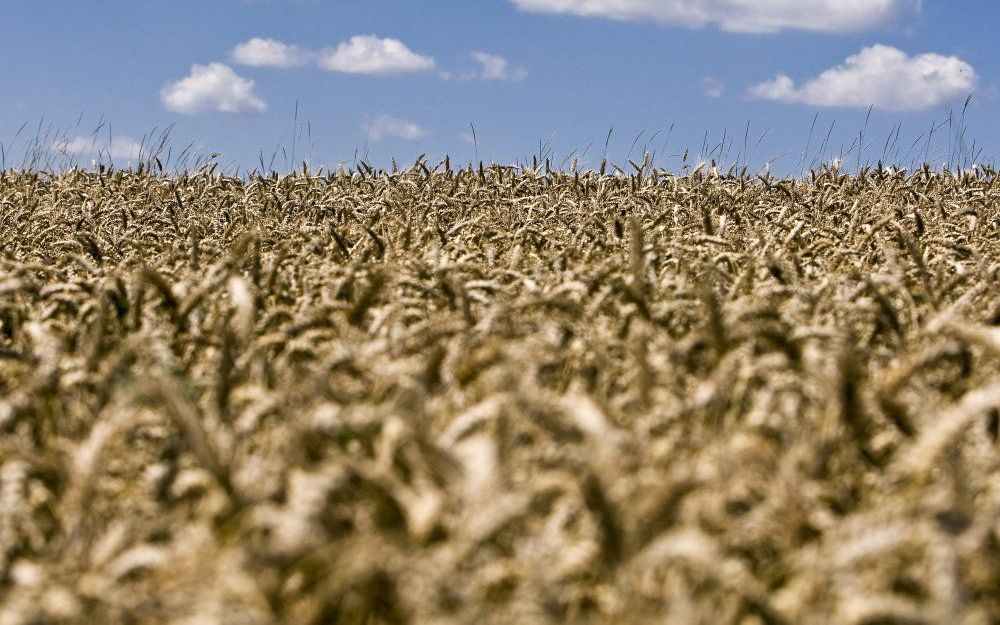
pixel 388 127
pixel 117 148
pixel 212 88
pixel 713 87
pixel 748 16
pixel 494 67
pixel 879 76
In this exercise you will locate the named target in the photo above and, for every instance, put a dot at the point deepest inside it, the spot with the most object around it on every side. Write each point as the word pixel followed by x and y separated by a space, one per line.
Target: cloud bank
pixel 746 16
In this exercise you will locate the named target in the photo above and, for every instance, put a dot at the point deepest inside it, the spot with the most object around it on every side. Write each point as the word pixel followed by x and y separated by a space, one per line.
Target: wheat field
pixel 499 395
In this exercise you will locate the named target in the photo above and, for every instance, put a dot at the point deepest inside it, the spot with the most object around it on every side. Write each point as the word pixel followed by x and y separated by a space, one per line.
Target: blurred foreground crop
pixel 499 396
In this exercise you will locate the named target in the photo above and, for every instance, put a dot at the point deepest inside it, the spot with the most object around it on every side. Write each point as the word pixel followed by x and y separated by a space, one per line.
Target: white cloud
pixel 118 148
pixel 498 68
pixel 749 16
pixel 260 52
pixel 386 127
pixel 212 88
pixel 879 76
pixel 713 87
pixel 368 54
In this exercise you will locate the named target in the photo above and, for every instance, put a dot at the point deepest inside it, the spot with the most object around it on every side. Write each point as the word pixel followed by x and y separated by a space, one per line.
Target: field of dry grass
pixel 499 396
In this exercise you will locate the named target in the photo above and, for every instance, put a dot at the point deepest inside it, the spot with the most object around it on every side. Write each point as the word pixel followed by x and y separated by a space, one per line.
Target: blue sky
pixel 397 79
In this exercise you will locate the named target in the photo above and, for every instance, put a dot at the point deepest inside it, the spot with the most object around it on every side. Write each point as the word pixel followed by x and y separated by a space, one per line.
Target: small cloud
pixel 713 87
pixel 117 148
pixel 388 127
pixel 260 52
pixel 212 88
pixel 368 54
pixel 498 68
pixel 879 76
pixel 468 137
